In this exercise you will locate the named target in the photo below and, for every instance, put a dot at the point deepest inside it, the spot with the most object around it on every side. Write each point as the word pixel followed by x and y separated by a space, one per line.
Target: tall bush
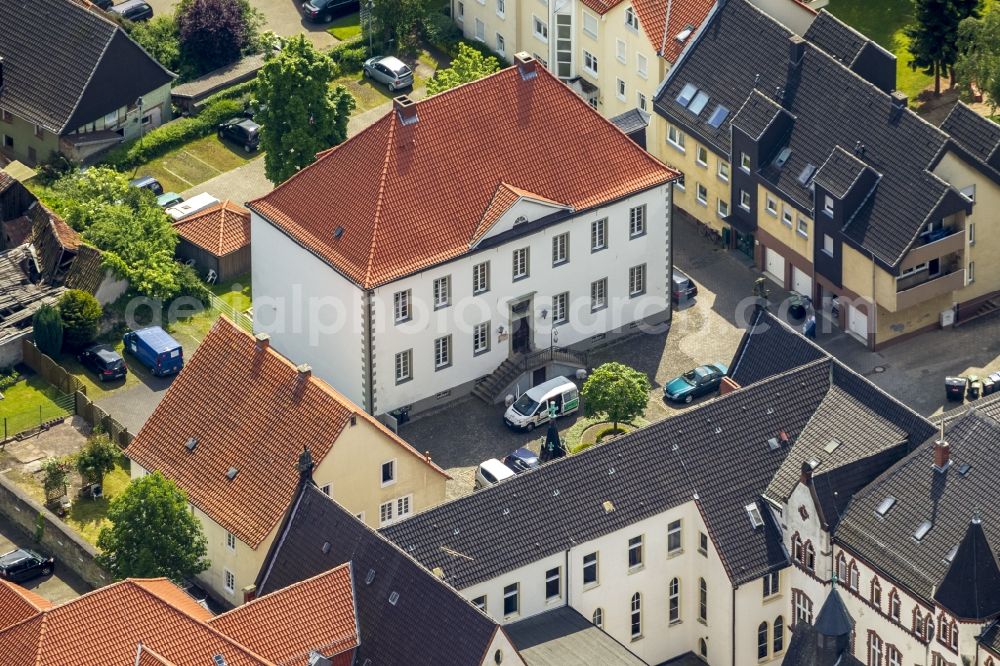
pixel 81 313
pixel 47 327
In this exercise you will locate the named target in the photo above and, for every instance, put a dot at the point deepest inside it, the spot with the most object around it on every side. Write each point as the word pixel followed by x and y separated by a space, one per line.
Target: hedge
pixel 239 91
pixel 165 138
pixel 350 54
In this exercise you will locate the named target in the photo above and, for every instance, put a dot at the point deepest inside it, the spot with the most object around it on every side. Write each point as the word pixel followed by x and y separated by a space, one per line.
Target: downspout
pixel 874 313
pixel 733 637
pixel 369 341
pixel 670 253
pixel 567 578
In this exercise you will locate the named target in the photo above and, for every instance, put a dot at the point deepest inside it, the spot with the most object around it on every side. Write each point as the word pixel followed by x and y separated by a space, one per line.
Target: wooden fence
pixel 98 418
pixel 50 371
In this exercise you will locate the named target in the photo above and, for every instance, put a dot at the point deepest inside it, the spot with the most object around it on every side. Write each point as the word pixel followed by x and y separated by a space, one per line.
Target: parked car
pixel 169 199
pixel 703 379
pixel 148 183
pixel 682 288
pixel 195 204
pixel 532 408
pixel 491 472
pixel 521 460
pixel 23 564
pixel 389 70
pixel 104 361
pixel 242 131
pixel 323 11
pixel 156 350
pixel 104 4
pixel 134 10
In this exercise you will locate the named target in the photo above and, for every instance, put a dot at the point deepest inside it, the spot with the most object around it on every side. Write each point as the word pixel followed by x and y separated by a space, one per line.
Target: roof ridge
pixel 268 597
pixel 864 38
pixel 393 120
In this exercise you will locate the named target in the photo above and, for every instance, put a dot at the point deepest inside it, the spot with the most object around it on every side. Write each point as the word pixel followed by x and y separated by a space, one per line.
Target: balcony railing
pixel 952 242
pixel 943 284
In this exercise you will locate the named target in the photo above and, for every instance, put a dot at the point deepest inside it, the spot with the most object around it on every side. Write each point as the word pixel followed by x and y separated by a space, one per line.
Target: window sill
pixel 674 623
pixel 589 34
pixel 636 638
pixel 787 224
pixel 637 294
pixel 500 15
pixel 553 600
pixel 638 235
pixel 703 621
pixel 598 249
pixel 745 169
pixel 676 553
pixel 589 72
pixel 724 179
pixel 560 263
pixel 481 352
pixel 806 236
pixel 636 569
pixel 771 599
pixel 442 306
pixel 480 292
pixel 829 254
pixel 590 586
pixel 746 208
pixel 403 381
pixel 677 146
pixel 442 367
pixel 702 551
pixel 543 40
pixel 397 322
pixel 722 215
pixel 599 308
pixel 703 202
pixel 642 75
pixel 701 164
pixel 518 278
pixel 772 213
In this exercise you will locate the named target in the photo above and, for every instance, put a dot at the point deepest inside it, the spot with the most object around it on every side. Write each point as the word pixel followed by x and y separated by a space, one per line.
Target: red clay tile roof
pixel 316 614
pixel 222 229
pixel 105 627
pixel 411 196
pixel 506 195
pixel 683 13
pixel 250 410
pixel 18 604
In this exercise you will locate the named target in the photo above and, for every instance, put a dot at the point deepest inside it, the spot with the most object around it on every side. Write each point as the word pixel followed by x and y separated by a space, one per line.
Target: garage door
pixel 801 282
pixel 774 266
pixel 857 322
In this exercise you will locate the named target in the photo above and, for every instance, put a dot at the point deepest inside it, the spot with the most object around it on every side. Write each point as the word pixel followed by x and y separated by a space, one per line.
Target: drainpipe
pixel 369 341
pixel 670 253
pixel 874 312
pixel 733 638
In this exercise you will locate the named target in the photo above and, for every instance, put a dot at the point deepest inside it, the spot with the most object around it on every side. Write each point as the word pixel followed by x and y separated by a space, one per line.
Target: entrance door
pixel 801 282
pixel 857 322
pixel 774 266
pixel 521 339
pixel 744 243
pixel 538 376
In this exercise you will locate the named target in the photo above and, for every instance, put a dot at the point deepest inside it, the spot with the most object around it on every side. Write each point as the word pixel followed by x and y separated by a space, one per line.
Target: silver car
pixel 389 70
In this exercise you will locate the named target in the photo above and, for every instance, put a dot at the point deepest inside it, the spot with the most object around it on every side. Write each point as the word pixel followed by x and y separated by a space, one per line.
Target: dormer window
pixel 745 162
pixel 631 20
pixel 828 205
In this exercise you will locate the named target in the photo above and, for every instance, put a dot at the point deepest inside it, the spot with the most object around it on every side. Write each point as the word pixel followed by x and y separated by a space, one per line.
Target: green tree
pixel 54 473
pixel 83 197
pixel 81 314
pixel 47 326
pixel 469 65
pixel 302 115
pixel 215 33
pixel 617 392
pixel 97 458
pixel 161 39
pixel 399 21
pixel 152 533
pixel 933 38
pixel 979 55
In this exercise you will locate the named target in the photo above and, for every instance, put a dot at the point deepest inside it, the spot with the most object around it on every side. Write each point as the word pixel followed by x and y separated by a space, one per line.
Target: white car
pixel 491 472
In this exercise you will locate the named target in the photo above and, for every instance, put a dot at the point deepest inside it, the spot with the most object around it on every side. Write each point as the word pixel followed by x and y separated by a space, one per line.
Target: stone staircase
pixel 490 389
pixel 988 306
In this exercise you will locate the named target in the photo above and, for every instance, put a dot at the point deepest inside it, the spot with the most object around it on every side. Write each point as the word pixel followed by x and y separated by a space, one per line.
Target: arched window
pixel 954 635
pixel 841 568
pixel 674 600
pixel 797 554
pixel 989 661
pixel 703 599
pixel 943 636
pixel 703 648
pixel 810 557
pixel 599 618
pixel 918 623
pixel 875 649
pixel 894 605
pixel 762 640
pixel 636 615
pixel 876 594
pixel 778 642
pixel 855 581
pixel 929 626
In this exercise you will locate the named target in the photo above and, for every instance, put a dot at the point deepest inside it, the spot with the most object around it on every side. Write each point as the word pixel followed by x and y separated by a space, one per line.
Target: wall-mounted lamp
pixel 545 313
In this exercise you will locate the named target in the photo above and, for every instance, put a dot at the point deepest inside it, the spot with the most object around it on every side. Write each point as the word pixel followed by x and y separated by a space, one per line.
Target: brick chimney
pixel 305 371
pixel 263 341
pixel 406 108
pixel 807 474
pixel 942 455
pixel 249 593
pixel 727 386
pixel 526 64
pixel 796 49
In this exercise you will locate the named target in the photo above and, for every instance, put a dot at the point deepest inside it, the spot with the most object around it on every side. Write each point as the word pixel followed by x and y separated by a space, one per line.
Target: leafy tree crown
pixel 617 392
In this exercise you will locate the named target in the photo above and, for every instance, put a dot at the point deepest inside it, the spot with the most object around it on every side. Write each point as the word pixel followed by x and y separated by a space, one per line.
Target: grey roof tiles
pixel 563 637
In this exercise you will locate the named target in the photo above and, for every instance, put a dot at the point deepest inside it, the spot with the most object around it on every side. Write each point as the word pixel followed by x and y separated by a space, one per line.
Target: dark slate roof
pixel 834 619
pixel 804 650
pixel 976 134
pixel 840 171
pixel 756 357
pixel 949 500
pixel 429 623
pixel 836 38
pixel 835 488
pixel 66 65
pixel 686 659
pixel 563 637
pixel 756 114
pixel 631 121
pixel 991 637
pixel 739 49
pixel 971 588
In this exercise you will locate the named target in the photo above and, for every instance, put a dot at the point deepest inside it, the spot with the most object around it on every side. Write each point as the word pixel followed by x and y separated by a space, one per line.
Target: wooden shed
pixel 217 240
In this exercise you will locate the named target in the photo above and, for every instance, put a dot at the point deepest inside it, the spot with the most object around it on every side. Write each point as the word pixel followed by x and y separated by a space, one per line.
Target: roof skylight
pixel 964 469
pixel 832 445
pixel 687 94
pixel 699 102
pixel 806 174
pixel 756 519
pixel 922 530
pixel 951 554
pixel 718 116
pixel 884 506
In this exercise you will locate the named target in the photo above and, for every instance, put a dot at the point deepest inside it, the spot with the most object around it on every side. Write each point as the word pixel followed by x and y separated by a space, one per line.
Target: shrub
pixel 81 313
pixel 97 458
pixel 441 31
pixel 48 330
pixel 8 377
pixel 190 285
pixel 608 432
pixel 54 473
pixel 351 53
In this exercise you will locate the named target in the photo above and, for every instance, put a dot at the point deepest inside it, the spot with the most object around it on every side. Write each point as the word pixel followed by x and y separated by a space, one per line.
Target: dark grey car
pixel 134 10
pixel 389 70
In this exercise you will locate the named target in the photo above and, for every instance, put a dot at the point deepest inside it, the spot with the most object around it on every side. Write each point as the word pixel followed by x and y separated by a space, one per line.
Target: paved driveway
pixel 61 586
pixel 133 405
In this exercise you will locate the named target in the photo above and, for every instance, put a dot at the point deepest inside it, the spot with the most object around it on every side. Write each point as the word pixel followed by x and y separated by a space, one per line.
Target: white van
pixel 197 203
pixel 532 408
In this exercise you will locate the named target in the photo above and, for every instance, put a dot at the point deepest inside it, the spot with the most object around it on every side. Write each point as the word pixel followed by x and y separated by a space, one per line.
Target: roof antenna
pixel 666 30
pixel 756 80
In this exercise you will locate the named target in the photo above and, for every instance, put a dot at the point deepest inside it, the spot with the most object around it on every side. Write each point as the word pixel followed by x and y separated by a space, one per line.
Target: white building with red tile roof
pixel 459 233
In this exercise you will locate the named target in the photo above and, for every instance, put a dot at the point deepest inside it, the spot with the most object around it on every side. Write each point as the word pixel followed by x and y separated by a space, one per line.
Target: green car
pixel 169 199
pixel 703 379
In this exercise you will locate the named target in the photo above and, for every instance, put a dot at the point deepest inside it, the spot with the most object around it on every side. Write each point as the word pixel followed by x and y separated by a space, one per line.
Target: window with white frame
pixel 481 338
pixel 631 19
pixel 675 137
pixel 540 28
pixel 744 200
pixel 745 162
pixel 772 582
pixel 230 541
pixel 701 156
pixel 674 537
pixel 560 308
pixel 599 234
pixel 385 513
pixel 970 273
pixel 762 641
pixel 803 227
pixel 404 506
pixel 590 572
pixel 621 51
pixel 511 603
pixel 480 30
pixel 637 221
pixel 621 89
pixel 703 543
pixel 401 306
pixel 325 489
pixel 702 193
pixel 771 205
pixel 702 600
pixel 641 65
pixel 723 208
pixel 876 649
pixel 230 581
pixel 674 601
pixel 635 552
pixel 560 249
pixel 637 280
pixel 893 656
pixel 640 101
pixel 387 473
pixel 598 294
pixel 828 205
pixel 894 605
pixel 828 244
pixel 786 216
pixel 553 585
pixel 778 635
pixel 481 278
pixel 501 44
pixel 590 63
pixel 404 366
pixel 598 618
pixel 723 170
pixel 461 12
pixel 480 603
pixel 635 616
pixel 520 264
pixel 442 292
pixel 803 607
pixel 500 8
pixel 442 352
pixel 590 24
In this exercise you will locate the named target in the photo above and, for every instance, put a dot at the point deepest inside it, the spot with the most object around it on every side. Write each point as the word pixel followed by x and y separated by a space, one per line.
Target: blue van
pixel 156 350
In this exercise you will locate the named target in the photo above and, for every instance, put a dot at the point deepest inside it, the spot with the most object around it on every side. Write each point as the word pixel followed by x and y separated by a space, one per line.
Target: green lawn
pixel 88 516
pixel 192 329
pixel 30 402
pixel 883 21
pixel 346 27
pixel 194 163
